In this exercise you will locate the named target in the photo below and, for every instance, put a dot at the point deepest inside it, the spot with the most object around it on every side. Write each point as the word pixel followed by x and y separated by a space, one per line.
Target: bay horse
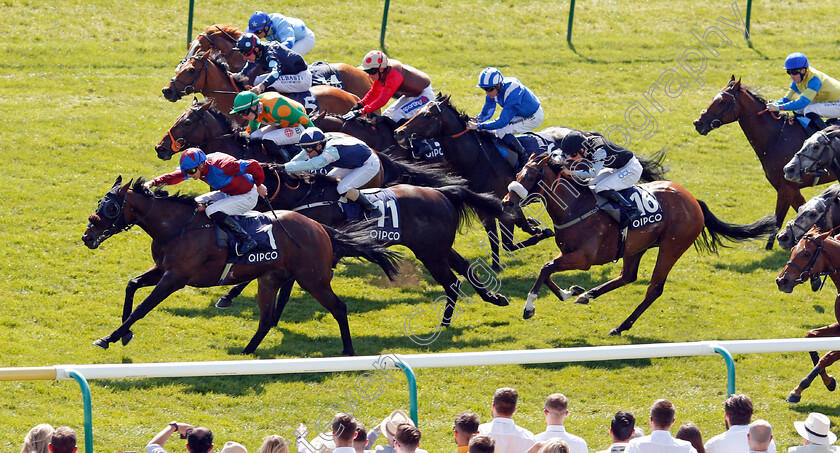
pixel 587 235
pixel 815 255
pixel 223 38
pixel 775 140
pixel 208 74
pixel 818 156
pixel 185 254
pixel 822 211
pixel 428 220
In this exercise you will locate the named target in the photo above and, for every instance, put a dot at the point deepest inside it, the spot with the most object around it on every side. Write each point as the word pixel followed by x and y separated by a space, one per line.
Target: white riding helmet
pixel 375 59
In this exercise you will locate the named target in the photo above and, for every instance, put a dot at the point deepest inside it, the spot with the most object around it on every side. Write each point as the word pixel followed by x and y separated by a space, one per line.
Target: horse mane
pixel 446 99
pixel 222 29
pixel 217 114
pixel 162 194
pixel 758 97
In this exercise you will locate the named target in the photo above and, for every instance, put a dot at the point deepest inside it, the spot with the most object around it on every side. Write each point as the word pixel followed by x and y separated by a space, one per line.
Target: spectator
pixel 555 445
pixel 344 433
pixel 816 435
pixel 556 410
pixel 466 427
pixel 690 432
pixel 407 439
pixel 322 443
pixel 622 428
pixel 37 440
pixel 509 438
pixel 481 444
pixel 233 447
pixel 199 440
pixel 63 440
pixel 660 441
pixel 360 442
pixel 274 444
pixel 759 436
pixel 389 427
pixel 738 410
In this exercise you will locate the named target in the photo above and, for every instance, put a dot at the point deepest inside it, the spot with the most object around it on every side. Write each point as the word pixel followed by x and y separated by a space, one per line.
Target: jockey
pixel 236 185
pixel 521 109
pixel 284 119
pixel 604 166
pixel 274 65
pixel 289 31
pixel 355 164
pixel 811 93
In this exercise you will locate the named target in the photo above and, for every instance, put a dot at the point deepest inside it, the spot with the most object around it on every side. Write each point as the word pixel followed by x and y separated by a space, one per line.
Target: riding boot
pixel 244 242
pixel 516 145
pixel 630 208
pixel 370 210
pixel 817 121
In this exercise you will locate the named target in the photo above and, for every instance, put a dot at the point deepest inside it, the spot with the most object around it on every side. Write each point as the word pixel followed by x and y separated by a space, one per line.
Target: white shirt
pixel 814 448
pixel 734 440
pixel 659 441
pixel 509 437
pixel 576 444
pixel 617 447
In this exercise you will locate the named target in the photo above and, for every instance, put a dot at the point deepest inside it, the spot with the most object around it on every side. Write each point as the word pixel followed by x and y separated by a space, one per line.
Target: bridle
pixel 189 87
pixel 793 226
pixel 815 160
pixel 806 272
pixel 112 208
pixel 181 142
pixel 717 119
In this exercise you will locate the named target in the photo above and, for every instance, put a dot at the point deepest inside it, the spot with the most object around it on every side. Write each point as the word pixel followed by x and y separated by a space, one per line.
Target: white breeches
pixel 279 135
pixel 229 204
pixel 305 44
pixel 823 109
pixel 353 178
pixel 520 125
pixel 289 83
pixel 407 106
pixel 617 178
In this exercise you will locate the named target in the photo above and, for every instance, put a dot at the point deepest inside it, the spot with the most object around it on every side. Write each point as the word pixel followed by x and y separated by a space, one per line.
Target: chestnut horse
pixel 775 140
pixel 816 255
pixel 185 254
pixel 587 236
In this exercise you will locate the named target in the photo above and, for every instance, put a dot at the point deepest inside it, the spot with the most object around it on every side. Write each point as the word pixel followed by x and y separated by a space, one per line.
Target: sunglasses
pixel 793 71
pixel 488 89
pixel 191 171
pixel 372 71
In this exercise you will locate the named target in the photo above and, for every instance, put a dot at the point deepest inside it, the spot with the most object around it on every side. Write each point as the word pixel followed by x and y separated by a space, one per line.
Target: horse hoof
pixel 127 338
pixel 529 313
pixel 576 290
pixel 615 332
pixel 793 398
pixel 224 302
pixel 548 232
pixel 832 384
pixel 583 299
pixel 102 343
pixel 499 300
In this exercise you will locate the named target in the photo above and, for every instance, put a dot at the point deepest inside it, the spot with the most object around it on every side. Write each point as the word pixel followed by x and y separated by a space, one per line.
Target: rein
pixel 805 273
pixel 178 144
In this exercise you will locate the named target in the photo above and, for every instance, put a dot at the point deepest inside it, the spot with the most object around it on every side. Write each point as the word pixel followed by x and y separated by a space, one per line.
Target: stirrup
pixel 246 247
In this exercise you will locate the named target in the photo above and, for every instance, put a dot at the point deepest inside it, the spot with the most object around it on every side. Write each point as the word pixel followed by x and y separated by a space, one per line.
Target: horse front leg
pixel 489 224
pixel 561 262
pixel 629 274
pixel 787 196
pixel 269 285
pixel 149 278
pixel 461 266
pixel 796 395
pixel 530 226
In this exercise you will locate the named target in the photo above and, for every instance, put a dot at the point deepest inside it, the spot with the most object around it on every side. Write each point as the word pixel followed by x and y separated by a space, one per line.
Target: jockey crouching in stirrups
pixel 283 119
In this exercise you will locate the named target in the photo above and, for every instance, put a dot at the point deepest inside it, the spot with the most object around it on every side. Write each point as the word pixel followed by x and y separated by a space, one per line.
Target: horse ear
pixel 195 100
pixel 732 79
pixel 117 182
pixel 125 188
pixel 206 106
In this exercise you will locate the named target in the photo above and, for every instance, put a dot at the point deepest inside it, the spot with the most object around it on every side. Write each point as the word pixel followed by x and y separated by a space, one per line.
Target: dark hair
pixel 344 427
pixel 361 432
pixel 482 444
pixel 200 440
pixel 557 402
pixel 662 413
pixel 739 408
pixel 408 435
pixel 505 401
pixel 690 432
pixel 63 440
pixel 466 422
pixel 622 425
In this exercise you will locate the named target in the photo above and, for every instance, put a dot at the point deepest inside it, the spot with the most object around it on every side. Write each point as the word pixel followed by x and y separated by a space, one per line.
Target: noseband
pixel 112 209
pixel 805 273
pixel 181 142
pixel 793 226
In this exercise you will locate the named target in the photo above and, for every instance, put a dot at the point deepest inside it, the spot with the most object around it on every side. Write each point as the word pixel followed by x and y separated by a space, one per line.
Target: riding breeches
pixel 823 109
pixel 520 125
pixel 279 135
pixel 353 178
pixel 304 44
pixel 229 204
pixel 289 83
pixel 407 106
pixel 617 178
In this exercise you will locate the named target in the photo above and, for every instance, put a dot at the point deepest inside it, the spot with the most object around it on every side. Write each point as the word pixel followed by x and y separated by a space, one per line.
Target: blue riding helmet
pixel 191 158
pixel 247 43
pixel 311 138
pixel 489 77
pixel 257 21
pixel 796 60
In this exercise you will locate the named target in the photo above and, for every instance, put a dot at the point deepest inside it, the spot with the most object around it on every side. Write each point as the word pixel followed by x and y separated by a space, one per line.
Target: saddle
pixel 533 142
pixel 649 207
pixel 260 227
pixel 324 73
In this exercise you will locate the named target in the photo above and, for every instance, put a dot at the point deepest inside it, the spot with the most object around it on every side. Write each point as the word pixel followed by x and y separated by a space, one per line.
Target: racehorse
pixel 818 156
pixel 816 255
pixel 185 253
pixel 587 235
pixel 223 38
pixel 427 219
pixel 775 140
pixel 207 73
pixel 822 211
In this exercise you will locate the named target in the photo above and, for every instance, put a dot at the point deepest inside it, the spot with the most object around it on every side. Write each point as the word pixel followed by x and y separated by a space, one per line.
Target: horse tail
pixel 718 229
pixel 398 172
pixel 652 167
pixel 354 241
pixel 468 203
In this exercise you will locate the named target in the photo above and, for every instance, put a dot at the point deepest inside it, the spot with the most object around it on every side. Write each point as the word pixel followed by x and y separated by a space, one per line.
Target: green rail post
pixel 384 24
pixel 189 24
pixel 730 368
pixel 571 21
pixel 747 28
pixel 412 387
pixel 88 410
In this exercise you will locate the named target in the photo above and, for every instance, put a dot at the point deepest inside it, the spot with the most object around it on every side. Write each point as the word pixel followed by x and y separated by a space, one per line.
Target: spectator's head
pixel 466 426
pixel 63 440
pixel 662 414
pixel 739 410
pixel 814 430
pixel 360 442
pixel 556 408
pixel 274 444
pixel 199 440
pixel 233 447
pixel 344 430
pixel 622 426
pixel 760 435
pixel 482 444
pixel 690 432
pixel 555 446
pixel 504 402
pixel 37 440
pixel 407 439
pixel 389 425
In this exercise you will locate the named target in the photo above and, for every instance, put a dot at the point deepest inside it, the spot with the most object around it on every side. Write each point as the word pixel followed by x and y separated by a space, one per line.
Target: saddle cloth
pixel 305 98
pixel 259 226
pixel 533 142
pixel 645 201
pixel 387 228
pixel 325 74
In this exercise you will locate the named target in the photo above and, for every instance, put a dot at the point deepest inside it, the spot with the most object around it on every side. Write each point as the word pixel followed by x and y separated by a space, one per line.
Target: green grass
pixel 80 103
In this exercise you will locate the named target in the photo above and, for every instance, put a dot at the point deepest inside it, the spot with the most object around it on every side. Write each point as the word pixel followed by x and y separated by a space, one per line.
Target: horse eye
pixel 188 122
pixel 191 70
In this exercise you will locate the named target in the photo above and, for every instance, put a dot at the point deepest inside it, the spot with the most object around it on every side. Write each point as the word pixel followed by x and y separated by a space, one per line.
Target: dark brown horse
pixel 775 140
pixel 816 255
pixel 223 38
pixel 588 236
pixel 185 254
pixel 207 73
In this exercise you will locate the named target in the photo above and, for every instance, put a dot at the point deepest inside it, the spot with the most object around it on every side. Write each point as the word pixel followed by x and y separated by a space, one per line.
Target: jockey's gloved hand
pixel 359 105
pixel 352 114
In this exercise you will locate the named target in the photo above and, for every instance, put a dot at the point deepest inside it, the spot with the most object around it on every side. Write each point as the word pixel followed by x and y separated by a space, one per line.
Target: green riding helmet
pixel 244 101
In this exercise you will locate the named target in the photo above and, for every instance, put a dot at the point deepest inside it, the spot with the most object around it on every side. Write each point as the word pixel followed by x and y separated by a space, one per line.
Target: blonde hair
pixel 37 440
pixel 274 444
pixel 555 446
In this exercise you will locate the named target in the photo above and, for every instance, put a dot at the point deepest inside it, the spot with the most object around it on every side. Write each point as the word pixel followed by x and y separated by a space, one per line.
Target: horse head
pixel 724 108
pixel 524 188
pixel 217 37
pixel 109 217
pixel 815 156
pixel 430 122
pixel 195 75
pixel 807 216
pixel 197 126
pixel 812 256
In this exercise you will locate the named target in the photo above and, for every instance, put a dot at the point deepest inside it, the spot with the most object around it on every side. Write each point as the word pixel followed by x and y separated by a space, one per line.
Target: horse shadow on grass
pixel 774 261
pixel 807 408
